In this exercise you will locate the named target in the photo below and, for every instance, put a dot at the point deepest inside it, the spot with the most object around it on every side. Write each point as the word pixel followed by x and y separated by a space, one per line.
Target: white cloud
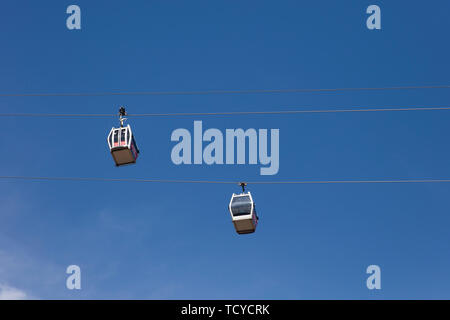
pixel 10 293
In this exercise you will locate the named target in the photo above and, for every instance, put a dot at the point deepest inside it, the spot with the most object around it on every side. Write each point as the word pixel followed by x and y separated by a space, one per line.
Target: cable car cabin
pixel 123 146
pixel 243 213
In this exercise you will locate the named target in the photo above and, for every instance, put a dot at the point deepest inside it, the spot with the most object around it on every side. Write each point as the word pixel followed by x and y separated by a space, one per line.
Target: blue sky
pixel 172 241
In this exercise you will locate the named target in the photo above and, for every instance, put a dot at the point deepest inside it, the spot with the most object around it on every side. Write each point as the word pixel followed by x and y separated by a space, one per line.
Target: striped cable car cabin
pixel 122 143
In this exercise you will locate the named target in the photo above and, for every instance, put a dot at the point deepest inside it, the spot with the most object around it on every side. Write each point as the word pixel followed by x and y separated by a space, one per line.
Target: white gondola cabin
pixel 123 145
pixel 243 213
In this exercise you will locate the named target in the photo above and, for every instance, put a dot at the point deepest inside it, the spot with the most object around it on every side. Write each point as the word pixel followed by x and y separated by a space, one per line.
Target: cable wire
pixel 213 92
pixel 229 113
pixel 30 178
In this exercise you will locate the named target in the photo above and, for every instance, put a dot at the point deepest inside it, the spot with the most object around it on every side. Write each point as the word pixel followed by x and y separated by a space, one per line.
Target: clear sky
pixel 175 241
